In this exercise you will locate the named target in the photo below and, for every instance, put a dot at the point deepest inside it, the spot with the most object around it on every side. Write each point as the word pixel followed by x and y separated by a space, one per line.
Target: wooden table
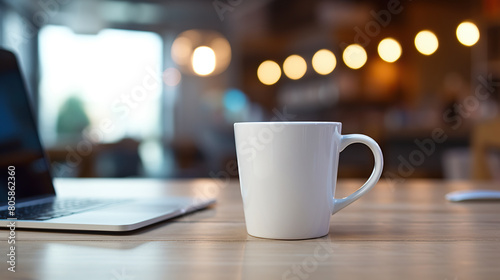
pixel 407 231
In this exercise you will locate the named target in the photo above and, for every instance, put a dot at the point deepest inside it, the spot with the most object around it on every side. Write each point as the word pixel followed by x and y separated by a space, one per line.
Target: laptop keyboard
pixel 57 208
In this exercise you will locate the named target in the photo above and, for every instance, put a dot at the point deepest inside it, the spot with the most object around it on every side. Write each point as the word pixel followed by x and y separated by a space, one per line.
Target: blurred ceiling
pixel 272 18
pixel 282 14
pixel 89 16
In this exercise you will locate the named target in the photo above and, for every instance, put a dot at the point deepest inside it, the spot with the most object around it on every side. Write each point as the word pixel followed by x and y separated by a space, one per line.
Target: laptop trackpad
pixel 128 213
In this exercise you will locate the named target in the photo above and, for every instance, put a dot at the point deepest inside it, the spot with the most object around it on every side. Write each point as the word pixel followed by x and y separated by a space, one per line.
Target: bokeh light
pixel 235 100
pixel 203 60
pixel 181 51
pixel 426 42
pixel 171 77
pixel 354 56
pixel 324 62
pixel 184 46
pixel 467 33
pixel 269 72
pixel 294 67
pixel 389 50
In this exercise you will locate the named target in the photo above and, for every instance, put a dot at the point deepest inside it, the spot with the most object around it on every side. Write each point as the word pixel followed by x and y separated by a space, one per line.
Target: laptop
pixel 27 193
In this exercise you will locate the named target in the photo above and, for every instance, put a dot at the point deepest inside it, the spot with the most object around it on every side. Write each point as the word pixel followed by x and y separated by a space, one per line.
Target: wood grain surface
pixel 405 231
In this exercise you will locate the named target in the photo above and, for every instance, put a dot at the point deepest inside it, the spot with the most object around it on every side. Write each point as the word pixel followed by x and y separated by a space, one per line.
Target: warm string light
pixel 467 33
pixel 294 67
pixel 426 42
pixel 389 50
pixel 269 72
pixel 324 62
pixel 355 56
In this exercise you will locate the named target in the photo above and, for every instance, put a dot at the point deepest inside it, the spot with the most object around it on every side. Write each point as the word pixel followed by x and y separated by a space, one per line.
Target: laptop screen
pixel 20 148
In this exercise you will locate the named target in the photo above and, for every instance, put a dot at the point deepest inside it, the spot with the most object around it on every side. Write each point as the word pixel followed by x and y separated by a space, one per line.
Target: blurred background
pixel 151 88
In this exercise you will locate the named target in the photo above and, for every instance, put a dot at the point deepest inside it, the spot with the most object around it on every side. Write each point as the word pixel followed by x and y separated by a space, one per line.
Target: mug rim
pixel 289 123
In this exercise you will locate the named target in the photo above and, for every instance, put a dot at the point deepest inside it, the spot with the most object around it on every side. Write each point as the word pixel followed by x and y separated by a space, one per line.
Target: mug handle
pixel 346 140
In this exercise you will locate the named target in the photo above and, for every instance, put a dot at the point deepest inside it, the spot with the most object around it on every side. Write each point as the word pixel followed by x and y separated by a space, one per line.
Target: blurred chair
pixel 70 164
pixel 189 159
pixel 486 150
pixel 120 159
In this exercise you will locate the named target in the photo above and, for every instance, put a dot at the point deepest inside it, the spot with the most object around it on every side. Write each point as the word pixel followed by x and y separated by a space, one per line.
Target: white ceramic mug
pixel 288 174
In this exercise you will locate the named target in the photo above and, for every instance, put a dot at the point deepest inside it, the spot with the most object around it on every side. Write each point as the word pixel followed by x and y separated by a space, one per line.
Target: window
pixel 110 79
